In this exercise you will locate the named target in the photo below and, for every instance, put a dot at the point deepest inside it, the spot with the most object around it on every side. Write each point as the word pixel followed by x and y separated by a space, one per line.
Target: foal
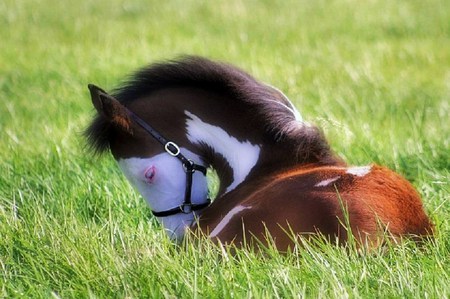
pixel 277 173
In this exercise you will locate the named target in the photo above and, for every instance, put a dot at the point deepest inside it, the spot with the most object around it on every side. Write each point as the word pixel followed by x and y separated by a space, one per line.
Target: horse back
pixel 333 201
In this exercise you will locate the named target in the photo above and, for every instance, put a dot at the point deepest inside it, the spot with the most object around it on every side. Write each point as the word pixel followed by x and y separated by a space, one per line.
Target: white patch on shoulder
pixel 359 171
pixel 242 156
pixel 326 182
pixel 225 220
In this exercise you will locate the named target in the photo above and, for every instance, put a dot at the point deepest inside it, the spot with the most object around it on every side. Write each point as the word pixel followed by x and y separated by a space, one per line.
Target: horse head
pixel 150 167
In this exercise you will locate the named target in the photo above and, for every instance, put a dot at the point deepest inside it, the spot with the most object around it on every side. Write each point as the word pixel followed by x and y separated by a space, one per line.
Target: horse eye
pixel 150 174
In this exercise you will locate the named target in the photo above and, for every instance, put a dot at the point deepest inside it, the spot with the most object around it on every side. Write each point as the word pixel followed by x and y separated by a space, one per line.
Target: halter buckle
pixel 172 148
pixel 186 208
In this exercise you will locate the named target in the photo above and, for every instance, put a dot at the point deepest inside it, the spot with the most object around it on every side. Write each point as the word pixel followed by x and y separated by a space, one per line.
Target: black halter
pixel 188 165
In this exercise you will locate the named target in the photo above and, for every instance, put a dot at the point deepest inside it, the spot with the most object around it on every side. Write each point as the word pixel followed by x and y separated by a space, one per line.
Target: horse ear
pixel 110 108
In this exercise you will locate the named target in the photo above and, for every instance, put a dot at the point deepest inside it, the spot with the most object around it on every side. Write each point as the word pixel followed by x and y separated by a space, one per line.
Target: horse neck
pixel 242 155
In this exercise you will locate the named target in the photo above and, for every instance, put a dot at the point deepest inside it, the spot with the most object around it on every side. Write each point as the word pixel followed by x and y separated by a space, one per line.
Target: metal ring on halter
pixel 169 151
pixel 186 208
pixel 191 166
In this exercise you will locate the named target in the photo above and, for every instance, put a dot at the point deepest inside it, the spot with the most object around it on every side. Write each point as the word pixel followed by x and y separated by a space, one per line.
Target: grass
pixel 373 74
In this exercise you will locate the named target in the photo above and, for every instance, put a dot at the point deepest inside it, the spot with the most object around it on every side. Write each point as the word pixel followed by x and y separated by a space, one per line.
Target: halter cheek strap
pixel 189 167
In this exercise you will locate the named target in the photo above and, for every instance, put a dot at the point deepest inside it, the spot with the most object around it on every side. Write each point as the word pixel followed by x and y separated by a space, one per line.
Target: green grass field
pixel 375 75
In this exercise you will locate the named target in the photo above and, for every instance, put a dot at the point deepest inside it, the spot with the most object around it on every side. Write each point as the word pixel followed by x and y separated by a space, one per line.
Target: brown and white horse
pixel 277 173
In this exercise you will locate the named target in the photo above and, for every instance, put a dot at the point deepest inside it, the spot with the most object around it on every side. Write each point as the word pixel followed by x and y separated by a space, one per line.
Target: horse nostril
pixel 150 174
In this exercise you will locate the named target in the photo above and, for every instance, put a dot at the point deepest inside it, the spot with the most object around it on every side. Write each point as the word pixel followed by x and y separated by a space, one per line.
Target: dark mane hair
pixel 194 71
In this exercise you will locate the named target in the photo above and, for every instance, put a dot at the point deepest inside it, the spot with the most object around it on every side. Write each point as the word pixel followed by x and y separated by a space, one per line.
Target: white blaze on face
pixel 359 171
pixel 161 180
pixel 242 156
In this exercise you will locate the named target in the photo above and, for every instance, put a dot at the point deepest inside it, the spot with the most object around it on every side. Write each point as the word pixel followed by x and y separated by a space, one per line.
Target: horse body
pixel 277 173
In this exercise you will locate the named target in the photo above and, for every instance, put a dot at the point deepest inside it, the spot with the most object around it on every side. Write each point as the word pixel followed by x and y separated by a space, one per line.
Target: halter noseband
pixel 188 165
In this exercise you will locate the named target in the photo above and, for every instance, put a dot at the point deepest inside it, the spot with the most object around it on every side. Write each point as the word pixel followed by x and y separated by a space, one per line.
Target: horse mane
pixel 192 71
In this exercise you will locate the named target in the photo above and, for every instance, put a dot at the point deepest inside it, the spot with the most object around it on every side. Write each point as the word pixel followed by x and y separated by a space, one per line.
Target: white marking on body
pixel 167 186
pixel 359 171
pixel 297 115
pixel 242 156
pixel 326 182
pixel 225 220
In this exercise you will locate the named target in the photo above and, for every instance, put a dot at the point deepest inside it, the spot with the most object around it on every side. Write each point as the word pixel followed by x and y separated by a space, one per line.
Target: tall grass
pixel 373 74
